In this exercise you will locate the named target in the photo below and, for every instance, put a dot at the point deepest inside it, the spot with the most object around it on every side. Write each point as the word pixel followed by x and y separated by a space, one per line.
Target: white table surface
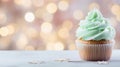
pixel 34 58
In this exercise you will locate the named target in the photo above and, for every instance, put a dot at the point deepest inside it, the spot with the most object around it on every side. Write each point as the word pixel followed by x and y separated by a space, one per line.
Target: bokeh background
pixel 49 24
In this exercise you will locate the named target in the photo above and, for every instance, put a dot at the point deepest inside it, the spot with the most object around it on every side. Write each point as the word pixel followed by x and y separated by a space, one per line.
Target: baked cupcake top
pixel 95 27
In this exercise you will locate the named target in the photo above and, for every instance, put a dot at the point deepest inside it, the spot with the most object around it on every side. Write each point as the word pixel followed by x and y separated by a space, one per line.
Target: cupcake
pixel 95 37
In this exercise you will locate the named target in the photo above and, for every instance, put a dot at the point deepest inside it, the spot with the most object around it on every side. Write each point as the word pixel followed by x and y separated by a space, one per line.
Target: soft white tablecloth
pixel 24 59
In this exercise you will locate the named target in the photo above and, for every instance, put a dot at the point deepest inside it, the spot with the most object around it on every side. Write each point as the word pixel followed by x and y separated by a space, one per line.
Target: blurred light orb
pixel 46 27
pixel 52 37
pixel 63 5
pixel 115 9
pixel 7 30
pixel 3 17
pixel 78 14
pixel 4 31
pixel 31 32
pixel 47 17
pixel 23 3
pixel 5 42
pixel 58 46
pixel 29 17
pixel 118 18
pixel 55 46
pixel 63 33
pixel 49 46
pixel 51 8
pixel 72 47
pixel 11 29
pixel 68 24
pixel 94 5
pixel 29 47
pixel 22 41
pixel 38 3
pixel 39 13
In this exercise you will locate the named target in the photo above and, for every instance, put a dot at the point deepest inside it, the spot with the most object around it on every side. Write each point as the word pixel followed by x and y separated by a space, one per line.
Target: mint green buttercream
pixel 95 27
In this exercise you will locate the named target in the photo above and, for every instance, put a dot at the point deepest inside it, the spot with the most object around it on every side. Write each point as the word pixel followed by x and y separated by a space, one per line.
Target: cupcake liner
pixel 95 52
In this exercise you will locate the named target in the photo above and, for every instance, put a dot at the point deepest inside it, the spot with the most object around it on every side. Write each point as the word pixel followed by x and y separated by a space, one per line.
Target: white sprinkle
pixel 102 62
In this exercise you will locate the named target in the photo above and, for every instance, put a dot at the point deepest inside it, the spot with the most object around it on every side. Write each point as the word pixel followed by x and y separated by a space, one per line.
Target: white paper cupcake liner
pixel 95 51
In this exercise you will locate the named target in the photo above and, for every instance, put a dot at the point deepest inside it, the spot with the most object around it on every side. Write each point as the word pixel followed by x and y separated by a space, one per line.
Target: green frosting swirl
pixel 95 27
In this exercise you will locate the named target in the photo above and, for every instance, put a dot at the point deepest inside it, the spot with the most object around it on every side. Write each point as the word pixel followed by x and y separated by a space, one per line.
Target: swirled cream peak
pixel 95 27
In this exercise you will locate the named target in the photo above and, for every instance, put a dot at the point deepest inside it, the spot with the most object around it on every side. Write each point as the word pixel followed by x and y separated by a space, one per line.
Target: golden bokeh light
pixel 47 17
pixel 51 8
pixel 72 47
pixel 118 18
pixel 43 14
pixel 39 13
pixel 49 46
pixel 3 17
pixel 77 14
pixel 58 46
pixel 94 5
pixel 22 41
pixel 68 24
pixel 115 9
pixel 63 5
pixel 11 29
pixel 63 33
pixel 23 3
pixel 31 32
pixel 29 17
pixel 52 37
pixel 29 47
pixel 49 38
pixel 55 46
pixel 5 42
pixel 4 31
pixel 46 27
pixel 38 3
pixel 7 30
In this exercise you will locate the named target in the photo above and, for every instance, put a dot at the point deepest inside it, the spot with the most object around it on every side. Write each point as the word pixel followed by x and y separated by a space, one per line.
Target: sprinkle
pixel 62 59
pixel 102 62
pixel 36 62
